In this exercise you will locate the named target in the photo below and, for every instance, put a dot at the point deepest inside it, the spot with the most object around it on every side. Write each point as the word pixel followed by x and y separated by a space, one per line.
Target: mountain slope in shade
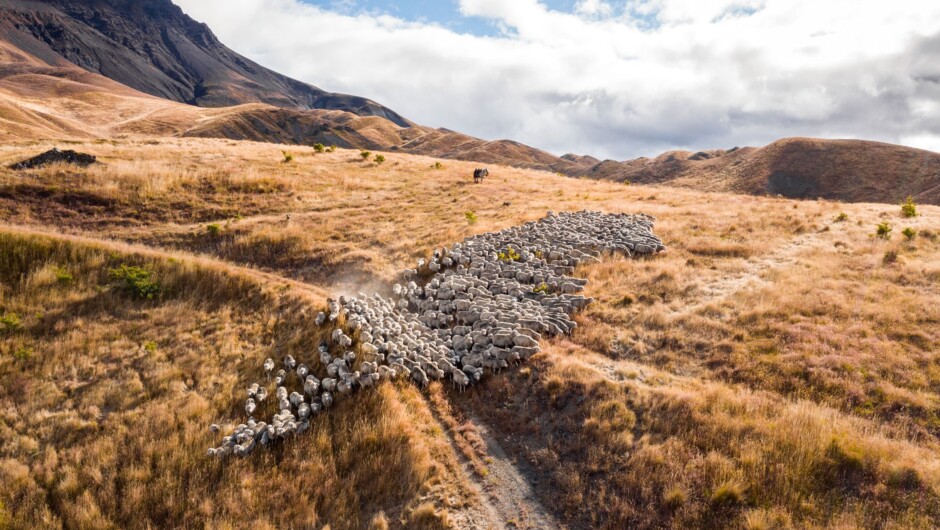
pixel 152 46
pixel 800 168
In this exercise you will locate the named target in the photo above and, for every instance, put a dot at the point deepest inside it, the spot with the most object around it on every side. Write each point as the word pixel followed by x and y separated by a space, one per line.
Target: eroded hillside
pixel 775 368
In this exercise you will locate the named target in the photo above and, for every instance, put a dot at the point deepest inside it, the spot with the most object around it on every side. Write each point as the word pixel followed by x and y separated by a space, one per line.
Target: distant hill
pixel 152 46
pixel 104 68
pixel 800 168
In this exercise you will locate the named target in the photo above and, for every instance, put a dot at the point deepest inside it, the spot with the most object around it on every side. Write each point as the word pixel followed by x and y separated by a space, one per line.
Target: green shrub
pixel 842 217
pixel 23 353
pixel 10 322
pixel 331 149
pixel 135 281
pixel 365 155
pixel 909 233
pixel 62 276
pixel 509 256
pixel 319 148
pixel 214 229
pixel 438 165
pixel 909 209
pixel 471 216
pixel 883 231
pixel 379 159
pixel 288 157
pixel 150 346
pixel 541 288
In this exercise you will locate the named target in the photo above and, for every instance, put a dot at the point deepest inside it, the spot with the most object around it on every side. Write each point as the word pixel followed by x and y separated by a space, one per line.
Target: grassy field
pixel 777 367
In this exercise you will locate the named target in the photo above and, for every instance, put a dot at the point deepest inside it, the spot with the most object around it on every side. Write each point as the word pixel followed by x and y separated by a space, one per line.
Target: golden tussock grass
pixel 770 370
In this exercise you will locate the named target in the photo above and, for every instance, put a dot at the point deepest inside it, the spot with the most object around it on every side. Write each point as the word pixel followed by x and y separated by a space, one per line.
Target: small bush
pixel 150 346
pixel 509 256
pixel 365 155
pixel 319 148
pixel 379 159
pixel 842 217
pixel 890 257
pixel 10 322
pixel 471 216
pixel 288 157
pixel 23 353
pixel 674 498
pixel 331 149
pixel 909 233
pixel 438 165
pixel 909 208
pixel 541 288
pixel 135 281
pixel 728 494
pixel 214 229
pixel 883 231
pixel 62 276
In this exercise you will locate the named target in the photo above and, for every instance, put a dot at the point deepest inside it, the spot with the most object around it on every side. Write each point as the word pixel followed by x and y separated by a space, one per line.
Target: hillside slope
pixel 799 168
pixel 154 47
pixel 776 368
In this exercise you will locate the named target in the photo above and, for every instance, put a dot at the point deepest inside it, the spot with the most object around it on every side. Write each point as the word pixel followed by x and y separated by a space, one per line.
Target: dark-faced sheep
pixel 480 174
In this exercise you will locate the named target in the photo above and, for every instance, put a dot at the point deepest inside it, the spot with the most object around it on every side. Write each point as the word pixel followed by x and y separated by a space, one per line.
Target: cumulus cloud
pixel 621 79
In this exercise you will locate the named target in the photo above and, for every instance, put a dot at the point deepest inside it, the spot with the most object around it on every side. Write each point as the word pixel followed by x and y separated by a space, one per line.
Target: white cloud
pixel 664 74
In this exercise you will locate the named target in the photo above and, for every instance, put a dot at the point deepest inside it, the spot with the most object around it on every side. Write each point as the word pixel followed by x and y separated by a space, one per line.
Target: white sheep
pixel 327 400
pixel 302 371
pixel 268 366
pixel 250 407
pixel 311 386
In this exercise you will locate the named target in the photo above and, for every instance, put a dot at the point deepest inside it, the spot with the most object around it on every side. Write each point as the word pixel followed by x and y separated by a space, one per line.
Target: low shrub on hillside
pixel 319 148
pixel 909 233
pixel 62 276
pixel 214 230
pixel 890 257
pixel 438 165
pixel 365 155
pixel 471 216
pixel 288 157
pixel 909 208
pixel 10 322
pixel 136 281
pixel 379 159
pixel 842 217
pixel 883 231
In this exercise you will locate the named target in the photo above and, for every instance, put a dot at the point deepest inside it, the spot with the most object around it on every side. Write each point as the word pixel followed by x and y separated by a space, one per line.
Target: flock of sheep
pixel 482 304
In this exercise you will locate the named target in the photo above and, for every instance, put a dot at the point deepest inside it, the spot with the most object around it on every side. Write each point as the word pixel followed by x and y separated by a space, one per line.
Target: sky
pixel 613 79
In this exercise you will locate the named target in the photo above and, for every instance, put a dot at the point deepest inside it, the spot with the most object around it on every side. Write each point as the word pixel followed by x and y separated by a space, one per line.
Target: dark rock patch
pixel 54 156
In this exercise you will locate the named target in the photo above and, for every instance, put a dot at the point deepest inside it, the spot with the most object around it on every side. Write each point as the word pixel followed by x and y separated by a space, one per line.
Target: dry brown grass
pixel 768 371
pixel 107 399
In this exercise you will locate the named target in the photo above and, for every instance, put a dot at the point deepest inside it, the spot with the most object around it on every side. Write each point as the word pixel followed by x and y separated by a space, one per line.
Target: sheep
pixel 344 387
pixel 311 386
pixel 327 400
pixel 268 366
pixel 289 362
pixel 329 384
pixel 461 380
pixel 296 399
pixel 419 376
pixel 253 390
pixel 250 407
pixel 320 319
pixel 480 174
pixel 349 357
pixel 280 377
pixel 261 395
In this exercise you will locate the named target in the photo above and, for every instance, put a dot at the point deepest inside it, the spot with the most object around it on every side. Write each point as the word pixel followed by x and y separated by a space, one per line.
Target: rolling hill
pixel 800 168
pixel 104 68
